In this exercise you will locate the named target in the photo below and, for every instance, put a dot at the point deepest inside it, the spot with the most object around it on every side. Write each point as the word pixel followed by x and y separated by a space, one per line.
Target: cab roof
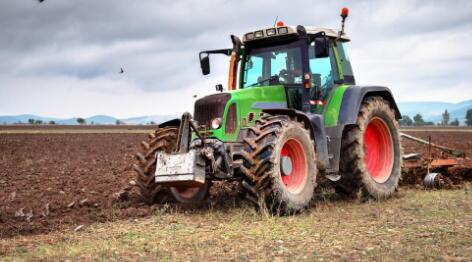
pixel 290 30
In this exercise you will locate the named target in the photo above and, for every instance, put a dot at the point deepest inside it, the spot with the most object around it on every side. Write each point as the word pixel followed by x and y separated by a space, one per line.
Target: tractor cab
pixel 309 62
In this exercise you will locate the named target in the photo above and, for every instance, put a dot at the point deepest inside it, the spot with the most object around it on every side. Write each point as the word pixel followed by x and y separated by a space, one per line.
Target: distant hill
pixel 24 119
pixel 432 111
pixel 148 119
pixel 97 119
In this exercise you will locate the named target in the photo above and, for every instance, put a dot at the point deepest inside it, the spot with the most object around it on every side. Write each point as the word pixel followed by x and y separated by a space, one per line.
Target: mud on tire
pixel 163 139
pixel 370 163
pixel 283 187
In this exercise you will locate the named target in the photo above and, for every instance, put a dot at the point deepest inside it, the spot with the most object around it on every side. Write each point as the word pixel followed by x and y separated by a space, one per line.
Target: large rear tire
pixel 370 161
pixel 279 164
pixel 163 139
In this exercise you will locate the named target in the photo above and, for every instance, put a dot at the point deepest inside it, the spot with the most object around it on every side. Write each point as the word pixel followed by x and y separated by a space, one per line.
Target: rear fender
pixel 317 131
pixel 352 100
pixel 349 111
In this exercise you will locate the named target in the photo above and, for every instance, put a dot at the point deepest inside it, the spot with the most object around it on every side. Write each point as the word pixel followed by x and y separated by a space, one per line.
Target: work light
pixel 249 36
pixel 282 30
pixel 270 32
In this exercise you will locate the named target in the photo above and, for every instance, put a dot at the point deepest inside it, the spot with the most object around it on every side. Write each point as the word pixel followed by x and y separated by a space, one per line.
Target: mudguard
pixel 352 100
pixel 317 131
pixel 174 122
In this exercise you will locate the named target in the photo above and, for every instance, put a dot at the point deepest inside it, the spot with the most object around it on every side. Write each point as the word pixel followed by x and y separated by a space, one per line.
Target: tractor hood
pixel 237 109
pixel 210 107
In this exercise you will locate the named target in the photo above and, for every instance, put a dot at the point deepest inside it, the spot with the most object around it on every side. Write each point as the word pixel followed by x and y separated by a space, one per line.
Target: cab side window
pixel 323 74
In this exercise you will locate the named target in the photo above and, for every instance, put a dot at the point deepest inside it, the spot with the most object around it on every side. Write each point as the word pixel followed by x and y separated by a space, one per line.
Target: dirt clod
pixel 78 228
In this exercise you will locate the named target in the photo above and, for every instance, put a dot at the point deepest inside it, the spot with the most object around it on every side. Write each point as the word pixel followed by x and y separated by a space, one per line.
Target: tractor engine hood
pixel 210 107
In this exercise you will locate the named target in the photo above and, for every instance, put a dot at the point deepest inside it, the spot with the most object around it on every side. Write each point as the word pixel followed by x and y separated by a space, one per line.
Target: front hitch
pixel 184 167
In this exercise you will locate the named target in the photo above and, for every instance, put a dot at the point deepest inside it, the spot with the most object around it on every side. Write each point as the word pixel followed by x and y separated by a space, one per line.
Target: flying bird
pixel 195 96
pixel 121 69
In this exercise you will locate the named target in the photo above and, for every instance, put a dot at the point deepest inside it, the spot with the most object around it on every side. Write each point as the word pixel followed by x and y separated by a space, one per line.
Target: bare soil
pixel 55 181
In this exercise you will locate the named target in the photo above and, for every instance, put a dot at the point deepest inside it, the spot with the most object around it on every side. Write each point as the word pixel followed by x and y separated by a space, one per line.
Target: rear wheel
pixel 371 153
pixel 279 165
pixel 163 139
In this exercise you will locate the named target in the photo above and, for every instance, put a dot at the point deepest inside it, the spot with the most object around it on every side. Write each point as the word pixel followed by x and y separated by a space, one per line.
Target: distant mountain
pixel 432 111
pixel 148 119
pixel 97 119
pixel 24 119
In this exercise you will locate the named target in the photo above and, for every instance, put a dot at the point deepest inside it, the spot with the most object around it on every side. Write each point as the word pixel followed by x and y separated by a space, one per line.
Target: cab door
pixel 324 76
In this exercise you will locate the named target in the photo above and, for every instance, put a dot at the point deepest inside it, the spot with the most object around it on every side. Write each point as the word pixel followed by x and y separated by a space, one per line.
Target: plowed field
pixel 58 181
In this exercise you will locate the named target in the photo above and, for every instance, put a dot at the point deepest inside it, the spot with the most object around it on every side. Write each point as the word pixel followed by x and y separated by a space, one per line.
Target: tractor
pixel 291 112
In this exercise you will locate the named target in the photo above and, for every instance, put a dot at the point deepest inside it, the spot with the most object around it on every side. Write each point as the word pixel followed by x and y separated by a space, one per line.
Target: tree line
pixel 80 121
pixel 446 120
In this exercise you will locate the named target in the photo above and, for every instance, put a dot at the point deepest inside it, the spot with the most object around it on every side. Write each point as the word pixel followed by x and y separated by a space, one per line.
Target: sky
pixel 62 58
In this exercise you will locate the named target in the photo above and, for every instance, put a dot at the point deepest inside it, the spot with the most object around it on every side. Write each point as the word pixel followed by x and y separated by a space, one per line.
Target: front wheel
pixel 371 152
pixel 280 164
pixel 190 195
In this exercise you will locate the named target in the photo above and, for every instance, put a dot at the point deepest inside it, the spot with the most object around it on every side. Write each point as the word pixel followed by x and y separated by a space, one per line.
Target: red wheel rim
pixel 188 192
pixel 378 150
pixel 293 165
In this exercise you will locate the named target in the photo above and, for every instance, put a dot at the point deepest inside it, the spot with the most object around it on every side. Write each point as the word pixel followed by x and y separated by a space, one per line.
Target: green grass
pixel 415 225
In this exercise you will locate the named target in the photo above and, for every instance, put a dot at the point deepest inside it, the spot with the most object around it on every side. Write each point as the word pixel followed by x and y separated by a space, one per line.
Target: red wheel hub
pixel 188 192
pixel 378 150
pixel 293 165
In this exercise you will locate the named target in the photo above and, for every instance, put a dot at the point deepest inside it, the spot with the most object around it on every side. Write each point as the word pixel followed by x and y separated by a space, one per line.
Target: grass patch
pixel 416 225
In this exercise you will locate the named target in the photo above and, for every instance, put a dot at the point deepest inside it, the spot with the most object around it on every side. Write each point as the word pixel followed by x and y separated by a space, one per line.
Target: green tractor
pixel 292 112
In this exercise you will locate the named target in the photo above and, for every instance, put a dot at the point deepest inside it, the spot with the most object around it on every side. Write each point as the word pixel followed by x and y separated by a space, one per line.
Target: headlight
pixel 216 123
pixel 258 34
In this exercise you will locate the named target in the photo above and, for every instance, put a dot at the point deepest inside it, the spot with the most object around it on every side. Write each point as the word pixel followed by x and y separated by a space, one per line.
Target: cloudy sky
pixel 62 58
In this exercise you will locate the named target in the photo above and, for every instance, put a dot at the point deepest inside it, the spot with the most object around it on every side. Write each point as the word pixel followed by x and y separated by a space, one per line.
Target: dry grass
pixel 415 225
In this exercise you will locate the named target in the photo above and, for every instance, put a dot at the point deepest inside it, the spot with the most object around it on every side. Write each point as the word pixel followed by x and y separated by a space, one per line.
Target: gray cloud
pixel 417 48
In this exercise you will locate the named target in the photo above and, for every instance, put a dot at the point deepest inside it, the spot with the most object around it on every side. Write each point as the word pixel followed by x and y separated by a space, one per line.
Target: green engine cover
pixel 249 105
pixel 250 102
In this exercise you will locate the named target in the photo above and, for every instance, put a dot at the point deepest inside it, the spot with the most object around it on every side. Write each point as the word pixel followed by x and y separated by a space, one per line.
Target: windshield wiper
pixel 275 77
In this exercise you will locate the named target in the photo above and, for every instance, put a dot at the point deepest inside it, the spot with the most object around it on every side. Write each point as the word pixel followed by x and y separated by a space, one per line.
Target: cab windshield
pixel 281 64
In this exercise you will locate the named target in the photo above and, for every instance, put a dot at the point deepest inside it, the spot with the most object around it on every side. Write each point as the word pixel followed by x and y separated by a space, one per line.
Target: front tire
pixel 370 152
pixel 163 139
pixel 190 195
pixel 279 164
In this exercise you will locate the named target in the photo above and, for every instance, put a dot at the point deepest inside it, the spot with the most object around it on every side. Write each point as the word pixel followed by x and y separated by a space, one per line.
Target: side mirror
pixel 205 63
pixel 321 47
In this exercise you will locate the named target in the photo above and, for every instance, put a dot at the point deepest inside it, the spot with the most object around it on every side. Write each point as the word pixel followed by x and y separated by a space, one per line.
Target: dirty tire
pixel 163 139
pixel 284 186
pixel 370 163
pixel 191 195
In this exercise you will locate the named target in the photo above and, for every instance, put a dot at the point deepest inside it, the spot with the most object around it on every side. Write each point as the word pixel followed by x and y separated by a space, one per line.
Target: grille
pixel 210 107
pixel 231 119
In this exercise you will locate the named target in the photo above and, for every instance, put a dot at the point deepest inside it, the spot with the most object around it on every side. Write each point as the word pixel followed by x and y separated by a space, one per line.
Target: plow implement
pixel 440 167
